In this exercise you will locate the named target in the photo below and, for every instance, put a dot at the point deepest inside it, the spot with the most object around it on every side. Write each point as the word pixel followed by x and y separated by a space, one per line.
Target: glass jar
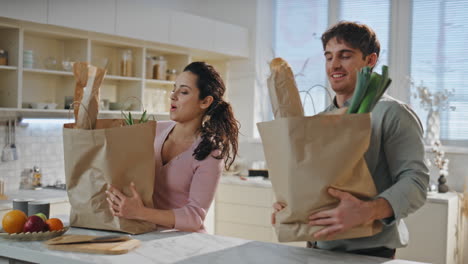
pixel 3 57
pixel 126 64
pixel 159 68
pixel 149 67
pixel 171 74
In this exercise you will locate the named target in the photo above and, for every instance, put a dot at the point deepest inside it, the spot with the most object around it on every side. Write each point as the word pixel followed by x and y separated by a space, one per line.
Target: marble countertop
pixel 181 247
pixel 46 195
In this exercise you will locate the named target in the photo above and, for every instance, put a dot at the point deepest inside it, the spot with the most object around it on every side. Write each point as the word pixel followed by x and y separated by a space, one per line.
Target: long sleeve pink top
pixel 185 185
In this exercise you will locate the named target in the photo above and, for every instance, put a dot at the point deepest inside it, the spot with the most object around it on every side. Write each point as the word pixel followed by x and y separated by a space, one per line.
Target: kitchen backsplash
pixel 39 143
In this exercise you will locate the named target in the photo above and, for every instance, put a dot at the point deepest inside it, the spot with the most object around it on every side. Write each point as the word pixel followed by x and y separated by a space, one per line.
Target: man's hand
pixel 349 213
pixel 124 206
pixel 276 207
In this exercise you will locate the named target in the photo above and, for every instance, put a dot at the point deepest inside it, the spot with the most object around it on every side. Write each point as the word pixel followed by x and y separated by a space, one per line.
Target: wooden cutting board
pixel 112 248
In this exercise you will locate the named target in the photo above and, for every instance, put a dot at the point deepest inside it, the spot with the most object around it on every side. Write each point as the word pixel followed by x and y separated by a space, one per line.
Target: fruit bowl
pixel 35 236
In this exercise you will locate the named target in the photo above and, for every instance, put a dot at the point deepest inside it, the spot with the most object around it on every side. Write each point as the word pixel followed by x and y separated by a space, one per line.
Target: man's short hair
pixel 358 36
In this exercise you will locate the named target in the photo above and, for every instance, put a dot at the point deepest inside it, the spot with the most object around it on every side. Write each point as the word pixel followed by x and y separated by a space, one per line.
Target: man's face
pixel 342 64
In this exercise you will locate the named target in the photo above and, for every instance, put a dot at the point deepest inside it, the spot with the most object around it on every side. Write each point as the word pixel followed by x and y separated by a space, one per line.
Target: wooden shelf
pixel 121 78
pixel 51 72
pixel 11 68
pixel 161 82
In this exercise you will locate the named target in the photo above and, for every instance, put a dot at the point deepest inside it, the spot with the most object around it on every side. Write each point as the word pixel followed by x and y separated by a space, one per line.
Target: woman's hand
pixel 124 206
pixel 277 207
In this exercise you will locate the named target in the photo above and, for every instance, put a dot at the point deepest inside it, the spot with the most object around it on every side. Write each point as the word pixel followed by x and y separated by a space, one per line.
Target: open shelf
pixel 109 55
pixel 121 78
pixel 52 72
pixel 8 68
pixel 46 86
pixel 8 88
pixel 159 82
pixel 49 50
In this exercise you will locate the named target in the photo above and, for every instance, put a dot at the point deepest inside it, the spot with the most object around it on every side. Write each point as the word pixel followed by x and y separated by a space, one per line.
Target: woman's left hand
pixel 122 205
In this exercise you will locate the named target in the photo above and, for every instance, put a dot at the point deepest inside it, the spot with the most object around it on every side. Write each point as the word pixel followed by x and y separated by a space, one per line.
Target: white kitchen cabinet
pixel 29 10
pixel 59 209
pixel 231 39
pixel 192 31
pixel 142 19
pixel 433 231
pixel 245 212
pixel 97 16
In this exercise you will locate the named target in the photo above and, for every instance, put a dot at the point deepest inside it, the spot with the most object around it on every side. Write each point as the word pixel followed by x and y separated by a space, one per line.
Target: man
pixel 395 157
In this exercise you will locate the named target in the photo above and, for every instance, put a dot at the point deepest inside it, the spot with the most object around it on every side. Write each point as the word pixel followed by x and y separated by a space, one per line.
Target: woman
pixel 191 151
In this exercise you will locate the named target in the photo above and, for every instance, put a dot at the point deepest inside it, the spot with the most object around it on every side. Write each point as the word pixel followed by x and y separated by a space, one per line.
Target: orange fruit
pixel 13 221
pixel 54 224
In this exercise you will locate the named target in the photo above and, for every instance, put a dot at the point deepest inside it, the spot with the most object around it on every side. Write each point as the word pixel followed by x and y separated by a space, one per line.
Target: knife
pixel 81 239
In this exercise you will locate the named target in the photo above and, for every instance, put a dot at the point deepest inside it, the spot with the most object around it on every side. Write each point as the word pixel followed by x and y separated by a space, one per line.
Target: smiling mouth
pixel 338 75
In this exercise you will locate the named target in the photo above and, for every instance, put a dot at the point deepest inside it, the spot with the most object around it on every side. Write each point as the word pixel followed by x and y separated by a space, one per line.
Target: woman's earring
pixel 206 118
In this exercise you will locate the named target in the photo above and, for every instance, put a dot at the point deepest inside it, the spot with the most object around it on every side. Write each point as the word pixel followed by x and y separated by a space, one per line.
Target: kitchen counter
pixel 46 195
pixel 262 182
pixel 257 181
pixel 182 247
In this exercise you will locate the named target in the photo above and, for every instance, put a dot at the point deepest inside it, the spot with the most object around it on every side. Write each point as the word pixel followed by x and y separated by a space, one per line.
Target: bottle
pixel 3 57
pixel 126 64
pixel 159 68
pixel 37 176
pixel 171 74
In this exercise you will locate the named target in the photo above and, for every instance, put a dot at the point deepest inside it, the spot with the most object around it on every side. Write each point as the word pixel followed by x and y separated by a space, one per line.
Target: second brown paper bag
pixel 307 155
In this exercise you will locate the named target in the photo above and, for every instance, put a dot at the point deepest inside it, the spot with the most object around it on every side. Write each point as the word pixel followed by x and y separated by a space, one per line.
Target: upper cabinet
pixel 29 10
pixel 137 19
pixel 231 39
pixel 192 31
pixel 142 20
pixel 97 16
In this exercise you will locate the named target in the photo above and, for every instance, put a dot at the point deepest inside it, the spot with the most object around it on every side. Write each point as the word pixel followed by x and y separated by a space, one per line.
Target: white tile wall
pixel 39 143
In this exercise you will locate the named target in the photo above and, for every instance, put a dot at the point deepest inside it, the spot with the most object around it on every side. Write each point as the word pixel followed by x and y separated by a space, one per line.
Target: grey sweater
pixel 395 159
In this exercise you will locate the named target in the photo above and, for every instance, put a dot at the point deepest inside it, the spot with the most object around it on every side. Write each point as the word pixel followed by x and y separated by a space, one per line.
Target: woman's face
pixel 185 102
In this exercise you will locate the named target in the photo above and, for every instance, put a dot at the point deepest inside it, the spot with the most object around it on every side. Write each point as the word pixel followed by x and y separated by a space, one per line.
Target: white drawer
pixel 246 195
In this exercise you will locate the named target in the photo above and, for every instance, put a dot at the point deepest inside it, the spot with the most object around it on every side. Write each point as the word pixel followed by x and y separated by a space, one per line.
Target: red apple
pixel 34 224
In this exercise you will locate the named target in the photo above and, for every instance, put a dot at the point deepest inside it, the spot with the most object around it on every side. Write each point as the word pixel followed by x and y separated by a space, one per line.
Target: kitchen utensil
pixel 112 248
pixel 2 190
pixel 21 204
pixel 79 239
pixel 38 207
pixel 50 63
pixel 13 148
pixel 7 154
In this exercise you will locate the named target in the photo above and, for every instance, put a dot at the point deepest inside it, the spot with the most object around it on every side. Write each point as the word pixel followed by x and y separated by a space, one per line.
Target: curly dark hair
pixel 222 129
pixel 358 36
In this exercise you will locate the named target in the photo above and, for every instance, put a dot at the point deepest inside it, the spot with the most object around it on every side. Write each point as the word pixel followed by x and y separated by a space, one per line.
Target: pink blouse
pixel 185 185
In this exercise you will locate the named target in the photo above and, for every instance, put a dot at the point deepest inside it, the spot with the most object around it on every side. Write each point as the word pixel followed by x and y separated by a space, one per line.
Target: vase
pixel 432 127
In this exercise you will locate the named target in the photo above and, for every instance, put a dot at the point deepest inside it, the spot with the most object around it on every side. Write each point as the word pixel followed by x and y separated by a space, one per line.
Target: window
pixel 438 59
pixel 432 49
pixel 299 26
pixel 378 20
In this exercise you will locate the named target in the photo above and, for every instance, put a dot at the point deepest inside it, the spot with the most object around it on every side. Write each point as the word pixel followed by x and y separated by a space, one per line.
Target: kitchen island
pixel 182 247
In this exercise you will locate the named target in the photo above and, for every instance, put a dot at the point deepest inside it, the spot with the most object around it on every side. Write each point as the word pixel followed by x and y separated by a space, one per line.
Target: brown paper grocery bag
pixel 109 154
pixel 307 155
